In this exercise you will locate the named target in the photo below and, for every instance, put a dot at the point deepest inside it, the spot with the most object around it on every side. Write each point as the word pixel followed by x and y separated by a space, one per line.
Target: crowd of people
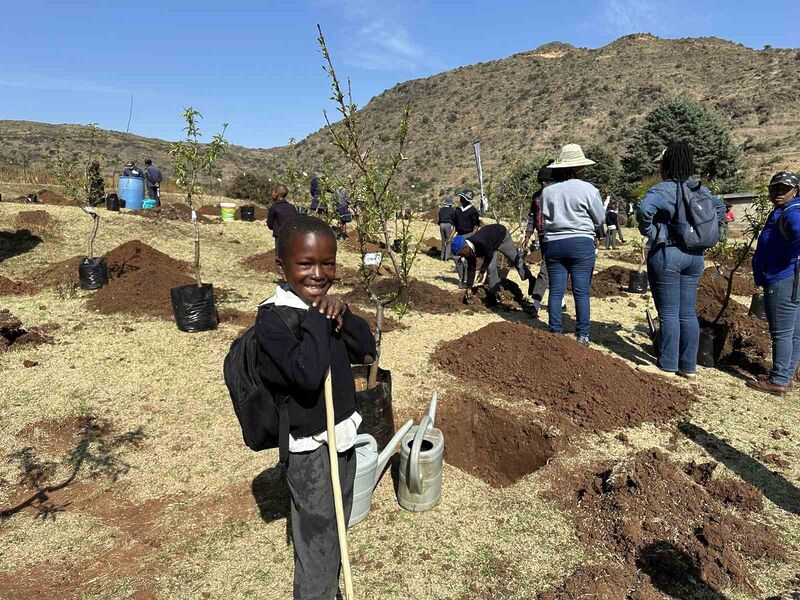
pixel 568 218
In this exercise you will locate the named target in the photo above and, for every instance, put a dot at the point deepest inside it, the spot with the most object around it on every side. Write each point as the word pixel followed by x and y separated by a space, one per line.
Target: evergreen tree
pixel 715 155
pixel 607 173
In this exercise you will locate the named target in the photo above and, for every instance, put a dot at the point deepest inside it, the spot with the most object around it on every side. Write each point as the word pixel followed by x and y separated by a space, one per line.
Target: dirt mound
pixel 237 318
pixel 52 198
pixel 632 507
pixel 264 262
pixel 171 212
pixel 389 324
pixel 141 278
pixel 13 335
pixel 715 284
pixel 610 282
pixel 35 220
pixel 492 443
pixel 590 389
pixel 421 296
pixel 9 287
pixel 63 273
pixel 748 347
pixel 135 255
pixel 351 243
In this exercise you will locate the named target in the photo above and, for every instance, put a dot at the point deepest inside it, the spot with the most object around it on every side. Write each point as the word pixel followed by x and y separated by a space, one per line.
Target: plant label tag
pixel 194 216
pixel 372 259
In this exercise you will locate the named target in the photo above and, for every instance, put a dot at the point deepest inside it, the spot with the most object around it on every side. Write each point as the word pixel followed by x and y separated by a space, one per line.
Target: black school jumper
pixel 298 369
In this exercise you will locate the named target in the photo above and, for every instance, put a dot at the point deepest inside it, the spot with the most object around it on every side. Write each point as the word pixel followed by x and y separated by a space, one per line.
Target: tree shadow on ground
pixel 272 496
pixel 773 485
pixel 96 454
pixel 17 242
pixel 673 572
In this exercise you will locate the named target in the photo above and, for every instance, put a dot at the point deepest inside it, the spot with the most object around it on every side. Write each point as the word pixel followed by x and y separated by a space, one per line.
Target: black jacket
pixel 466 221
pixel 279 213
pixel 486 242
pixel 446 214
pixel 297 368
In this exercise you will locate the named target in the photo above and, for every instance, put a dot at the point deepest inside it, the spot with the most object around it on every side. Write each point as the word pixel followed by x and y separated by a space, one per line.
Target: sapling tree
pixel 735 253
pixel 374 202
pixel 74 179
pixel 190 159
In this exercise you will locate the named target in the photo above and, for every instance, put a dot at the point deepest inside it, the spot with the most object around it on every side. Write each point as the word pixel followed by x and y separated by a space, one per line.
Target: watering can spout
pixel 388 451
pixel 432 409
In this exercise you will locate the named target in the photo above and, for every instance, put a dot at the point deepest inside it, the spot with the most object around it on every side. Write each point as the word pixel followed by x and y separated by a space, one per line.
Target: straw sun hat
pixel 571 156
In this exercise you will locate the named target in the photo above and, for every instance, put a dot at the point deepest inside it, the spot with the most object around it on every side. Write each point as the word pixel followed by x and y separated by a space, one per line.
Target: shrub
pixel 250 186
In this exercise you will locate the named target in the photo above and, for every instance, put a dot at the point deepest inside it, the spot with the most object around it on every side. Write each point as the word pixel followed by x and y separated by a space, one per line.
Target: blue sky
pixel 255 64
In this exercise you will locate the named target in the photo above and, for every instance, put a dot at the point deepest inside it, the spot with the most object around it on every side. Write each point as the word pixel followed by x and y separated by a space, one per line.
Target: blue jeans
pixel 784 329
pixel 575 257
pixel 674 276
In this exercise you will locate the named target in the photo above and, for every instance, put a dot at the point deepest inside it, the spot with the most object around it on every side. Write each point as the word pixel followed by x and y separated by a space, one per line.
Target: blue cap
pixel 458 243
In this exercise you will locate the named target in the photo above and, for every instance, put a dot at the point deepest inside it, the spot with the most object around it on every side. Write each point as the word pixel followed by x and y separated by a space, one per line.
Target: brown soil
pixel 432 216
pixel 135 255
pixel 634 506
pixel 172 212
pixel 610 282
pixel 588 388
pixel 264 262
pixel 492 443
pixel 59 437
pixel 63 273
pixel 39 221
pixel 351 243
pixel 748 347
pixel 52 198
pixel 389 324
pixel 237 318
pixel 534 258
pixel 605 581
pixel 422 297
pixel 9 287
pixel 13 335
pixel 715 284
pixel 141 279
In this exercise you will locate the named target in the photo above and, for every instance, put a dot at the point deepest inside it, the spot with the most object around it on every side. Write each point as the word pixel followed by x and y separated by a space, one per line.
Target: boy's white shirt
pixel 347 430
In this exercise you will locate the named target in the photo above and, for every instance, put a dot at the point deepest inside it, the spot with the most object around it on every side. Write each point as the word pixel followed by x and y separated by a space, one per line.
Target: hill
pixel 530 104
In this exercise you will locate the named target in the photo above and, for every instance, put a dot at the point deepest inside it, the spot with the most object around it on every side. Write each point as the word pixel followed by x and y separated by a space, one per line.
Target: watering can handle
pixel 415 477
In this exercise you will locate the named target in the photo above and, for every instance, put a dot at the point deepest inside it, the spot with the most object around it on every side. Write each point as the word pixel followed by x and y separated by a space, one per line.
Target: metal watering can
pixel 421 460
pixel 369 468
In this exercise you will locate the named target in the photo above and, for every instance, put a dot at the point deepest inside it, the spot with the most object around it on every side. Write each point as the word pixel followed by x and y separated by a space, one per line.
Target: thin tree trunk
pixel 373 370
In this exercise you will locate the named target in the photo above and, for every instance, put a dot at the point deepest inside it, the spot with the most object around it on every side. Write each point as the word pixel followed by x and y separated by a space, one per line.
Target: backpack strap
pixel 291 318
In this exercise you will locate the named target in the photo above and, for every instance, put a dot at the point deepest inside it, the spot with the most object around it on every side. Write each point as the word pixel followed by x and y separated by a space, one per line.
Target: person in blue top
pixel 776 265
pixel 674 271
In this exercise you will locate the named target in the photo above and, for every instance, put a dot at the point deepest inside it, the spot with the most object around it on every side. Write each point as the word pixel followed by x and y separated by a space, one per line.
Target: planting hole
pixel 492 443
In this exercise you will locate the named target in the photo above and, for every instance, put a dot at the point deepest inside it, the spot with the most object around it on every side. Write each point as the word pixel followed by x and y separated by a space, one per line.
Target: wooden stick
pixel 337 488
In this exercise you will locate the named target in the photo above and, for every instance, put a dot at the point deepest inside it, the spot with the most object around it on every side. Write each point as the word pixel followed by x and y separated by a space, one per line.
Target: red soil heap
pixel 264 262
pixel 592 390
pixel 141 278
pixel 663 524
pixel 9 287
pixel 36 220
pixel 610 282
pixel 422 297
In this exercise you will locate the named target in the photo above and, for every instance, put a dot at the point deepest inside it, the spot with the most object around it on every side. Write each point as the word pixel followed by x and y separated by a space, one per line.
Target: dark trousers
pixel 573 257
pixel 445 231
pixel 155 194
pixel 783 317
pixel 674 276
pixel 515 259
pixel 316 542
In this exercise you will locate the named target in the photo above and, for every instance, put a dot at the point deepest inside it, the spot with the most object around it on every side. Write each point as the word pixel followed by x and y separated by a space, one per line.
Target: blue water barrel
pixel 131 189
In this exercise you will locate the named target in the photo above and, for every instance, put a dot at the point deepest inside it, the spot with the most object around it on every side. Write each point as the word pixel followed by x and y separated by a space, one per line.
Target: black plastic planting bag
pixel 93 273
pixel 712 341
pixel 757 308
pixel 375 407
pixel 194 308
pixel 637 282
pixel 248 213
pixel 112 202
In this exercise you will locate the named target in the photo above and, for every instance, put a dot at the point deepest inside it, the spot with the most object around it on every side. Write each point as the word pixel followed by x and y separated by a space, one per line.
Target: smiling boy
pixel 293 365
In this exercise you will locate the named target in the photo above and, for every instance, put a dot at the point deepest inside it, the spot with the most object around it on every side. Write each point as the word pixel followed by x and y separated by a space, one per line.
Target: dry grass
pixel 181 522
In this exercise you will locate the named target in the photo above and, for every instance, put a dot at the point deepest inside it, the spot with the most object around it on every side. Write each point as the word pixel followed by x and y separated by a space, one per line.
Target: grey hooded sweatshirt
pixel 572 208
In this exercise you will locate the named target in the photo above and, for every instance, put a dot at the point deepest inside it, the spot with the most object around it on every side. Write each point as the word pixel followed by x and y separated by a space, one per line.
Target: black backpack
pixel 695 225
pixel 263 415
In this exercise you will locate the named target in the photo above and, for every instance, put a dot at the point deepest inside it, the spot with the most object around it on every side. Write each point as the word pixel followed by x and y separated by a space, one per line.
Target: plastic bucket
pixel 131 190
pixel 149 203
pixel 227 211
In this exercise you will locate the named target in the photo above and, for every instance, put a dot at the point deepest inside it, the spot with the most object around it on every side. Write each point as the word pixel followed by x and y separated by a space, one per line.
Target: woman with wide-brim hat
pixel 573 213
